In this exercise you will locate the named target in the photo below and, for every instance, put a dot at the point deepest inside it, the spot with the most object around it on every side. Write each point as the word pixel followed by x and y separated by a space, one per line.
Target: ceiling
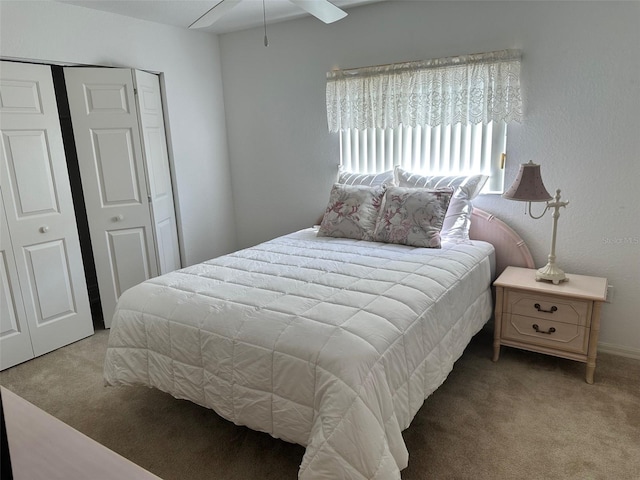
pixel 182 13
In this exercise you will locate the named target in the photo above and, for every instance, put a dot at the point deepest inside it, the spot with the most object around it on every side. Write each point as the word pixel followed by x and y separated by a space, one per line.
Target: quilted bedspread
pixel 329 343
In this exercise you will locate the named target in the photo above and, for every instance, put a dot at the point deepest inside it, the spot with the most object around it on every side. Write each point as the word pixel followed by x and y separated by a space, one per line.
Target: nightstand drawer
pixel 549 308
pixel 535 331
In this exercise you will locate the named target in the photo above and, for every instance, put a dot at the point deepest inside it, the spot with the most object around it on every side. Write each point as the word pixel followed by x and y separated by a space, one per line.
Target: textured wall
pixel 581 81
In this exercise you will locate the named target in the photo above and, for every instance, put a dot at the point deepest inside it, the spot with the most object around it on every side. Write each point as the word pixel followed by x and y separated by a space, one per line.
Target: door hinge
pixel 503 159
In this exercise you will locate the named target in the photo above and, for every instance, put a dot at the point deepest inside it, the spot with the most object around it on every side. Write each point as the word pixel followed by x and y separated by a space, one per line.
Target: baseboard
pixel 618 350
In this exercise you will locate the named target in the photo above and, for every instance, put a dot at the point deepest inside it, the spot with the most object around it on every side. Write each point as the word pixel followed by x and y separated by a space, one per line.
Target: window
pixel 442 116
pixel 441 150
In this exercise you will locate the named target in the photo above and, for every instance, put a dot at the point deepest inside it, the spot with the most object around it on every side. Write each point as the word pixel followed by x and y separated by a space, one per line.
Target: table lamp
pixel 528 187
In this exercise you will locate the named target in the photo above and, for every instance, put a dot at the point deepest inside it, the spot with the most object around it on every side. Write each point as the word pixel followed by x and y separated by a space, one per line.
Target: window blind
pixel 442 150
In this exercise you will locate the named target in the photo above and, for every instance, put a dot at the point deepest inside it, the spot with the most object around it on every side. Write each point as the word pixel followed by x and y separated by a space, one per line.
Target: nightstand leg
pixel 497 324
pixel 591 368
pixel 496 351
pixel 593 341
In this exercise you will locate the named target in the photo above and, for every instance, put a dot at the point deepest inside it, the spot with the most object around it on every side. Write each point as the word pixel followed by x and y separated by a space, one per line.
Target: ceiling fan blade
pixel 214 13
pixel 321 9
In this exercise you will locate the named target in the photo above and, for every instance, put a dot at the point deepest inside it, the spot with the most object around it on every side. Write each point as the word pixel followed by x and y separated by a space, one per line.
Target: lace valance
pixel 468 89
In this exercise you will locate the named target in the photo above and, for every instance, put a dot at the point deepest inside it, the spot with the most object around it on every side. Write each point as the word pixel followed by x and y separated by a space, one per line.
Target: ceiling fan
pixel 322 9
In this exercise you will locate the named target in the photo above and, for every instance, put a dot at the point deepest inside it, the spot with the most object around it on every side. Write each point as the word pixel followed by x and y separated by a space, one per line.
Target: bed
pixel 330 343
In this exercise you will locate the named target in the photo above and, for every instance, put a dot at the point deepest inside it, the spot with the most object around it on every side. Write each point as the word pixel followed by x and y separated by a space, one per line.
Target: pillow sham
pixel 352 211
pixel 471 184
pixel 370 179
pixel 413 216
pixel 457 221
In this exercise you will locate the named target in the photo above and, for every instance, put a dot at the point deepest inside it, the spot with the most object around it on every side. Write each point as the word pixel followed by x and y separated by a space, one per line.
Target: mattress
pixel 333 344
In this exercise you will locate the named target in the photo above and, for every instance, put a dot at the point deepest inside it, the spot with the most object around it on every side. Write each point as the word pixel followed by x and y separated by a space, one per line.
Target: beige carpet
pixel 527 416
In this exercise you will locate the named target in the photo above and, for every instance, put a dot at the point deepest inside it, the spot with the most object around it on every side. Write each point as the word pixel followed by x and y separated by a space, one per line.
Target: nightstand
pixel 561 320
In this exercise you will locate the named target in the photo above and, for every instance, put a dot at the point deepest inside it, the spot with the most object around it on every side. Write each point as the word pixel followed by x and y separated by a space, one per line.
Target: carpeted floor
pixel 527 416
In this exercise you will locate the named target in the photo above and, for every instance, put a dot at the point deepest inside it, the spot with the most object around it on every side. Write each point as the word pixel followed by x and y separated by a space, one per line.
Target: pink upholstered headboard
pixel 510 248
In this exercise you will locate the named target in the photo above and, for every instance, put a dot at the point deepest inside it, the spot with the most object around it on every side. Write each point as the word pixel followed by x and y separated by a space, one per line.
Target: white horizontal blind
pixel 443 150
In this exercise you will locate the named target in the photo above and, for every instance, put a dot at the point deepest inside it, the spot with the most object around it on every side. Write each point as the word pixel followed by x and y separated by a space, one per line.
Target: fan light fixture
pixel 321 9
pixel 528 187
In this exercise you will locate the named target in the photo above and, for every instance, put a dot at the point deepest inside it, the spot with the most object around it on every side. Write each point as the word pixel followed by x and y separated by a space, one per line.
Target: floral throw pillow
pixel 457 221
pixel 352 211
pixel 413 216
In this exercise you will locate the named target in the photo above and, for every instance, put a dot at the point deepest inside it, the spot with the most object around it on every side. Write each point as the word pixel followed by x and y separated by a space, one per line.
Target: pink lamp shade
pixel 528 186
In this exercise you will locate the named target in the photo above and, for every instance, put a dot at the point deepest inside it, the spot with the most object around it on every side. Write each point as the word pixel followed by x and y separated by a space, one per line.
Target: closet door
pixel 15 341
pixel 157 162
pixel 112 169
pixel 39 210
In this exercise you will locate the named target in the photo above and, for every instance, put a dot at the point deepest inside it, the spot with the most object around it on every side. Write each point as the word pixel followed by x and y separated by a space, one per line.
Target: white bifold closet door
pixel 122 154
pixel 44 297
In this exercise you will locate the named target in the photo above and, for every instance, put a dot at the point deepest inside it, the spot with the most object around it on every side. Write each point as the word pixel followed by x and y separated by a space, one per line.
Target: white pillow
pixel 457 221
pixel 369 179
pixel 472 184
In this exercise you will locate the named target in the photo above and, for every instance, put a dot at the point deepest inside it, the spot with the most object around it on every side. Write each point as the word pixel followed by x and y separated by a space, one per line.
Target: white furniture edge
pixel 43 447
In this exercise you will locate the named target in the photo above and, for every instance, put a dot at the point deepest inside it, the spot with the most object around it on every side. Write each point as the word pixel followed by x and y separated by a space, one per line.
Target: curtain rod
pixel 508 54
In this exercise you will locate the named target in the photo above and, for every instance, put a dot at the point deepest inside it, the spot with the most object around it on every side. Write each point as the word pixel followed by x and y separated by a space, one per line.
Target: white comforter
pixel 329 343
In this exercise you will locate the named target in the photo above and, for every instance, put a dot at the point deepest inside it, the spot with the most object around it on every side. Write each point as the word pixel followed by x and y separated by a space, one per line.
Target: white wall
pixel 580 75
pixel 58 33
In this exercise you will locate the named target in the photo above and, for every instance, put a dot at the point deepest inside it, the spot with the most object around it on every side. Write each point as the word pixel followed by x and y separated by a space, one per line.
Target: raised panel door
pixel 15 340
pixel 159 175
pixel 112 169
pixel 39 209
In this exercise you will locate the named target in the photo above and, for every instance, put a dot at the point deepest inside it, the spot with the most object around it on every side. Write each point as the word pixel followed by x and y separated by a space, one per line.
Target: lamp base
pixel 551 273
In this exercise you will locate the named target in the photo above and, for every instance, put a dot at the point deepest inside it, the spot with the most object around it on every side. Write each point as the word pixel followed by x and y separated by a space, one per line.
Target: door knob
pixel 118 218
pixel 44 229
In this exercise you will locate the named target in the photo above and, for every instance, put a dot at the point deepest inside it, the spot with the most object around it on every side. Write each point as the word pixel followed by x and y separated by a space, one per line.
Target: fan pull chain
pixel 264 21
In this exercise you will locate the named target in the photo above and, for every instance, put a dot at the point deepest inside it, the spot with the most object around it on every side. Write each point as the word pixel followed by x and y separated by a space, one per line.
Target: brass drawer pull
pixel 551 310
pixel 537 329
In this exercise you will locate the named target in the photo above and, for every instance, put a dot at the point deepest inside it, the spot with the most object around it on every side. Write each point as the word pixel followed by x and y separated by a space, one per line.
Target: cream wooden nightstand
pixel 561 320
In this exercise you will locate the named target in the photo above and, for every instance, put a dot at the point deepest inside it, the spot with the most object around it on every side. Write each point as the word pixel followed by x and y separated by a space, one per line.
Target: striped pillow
pixel 370 179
